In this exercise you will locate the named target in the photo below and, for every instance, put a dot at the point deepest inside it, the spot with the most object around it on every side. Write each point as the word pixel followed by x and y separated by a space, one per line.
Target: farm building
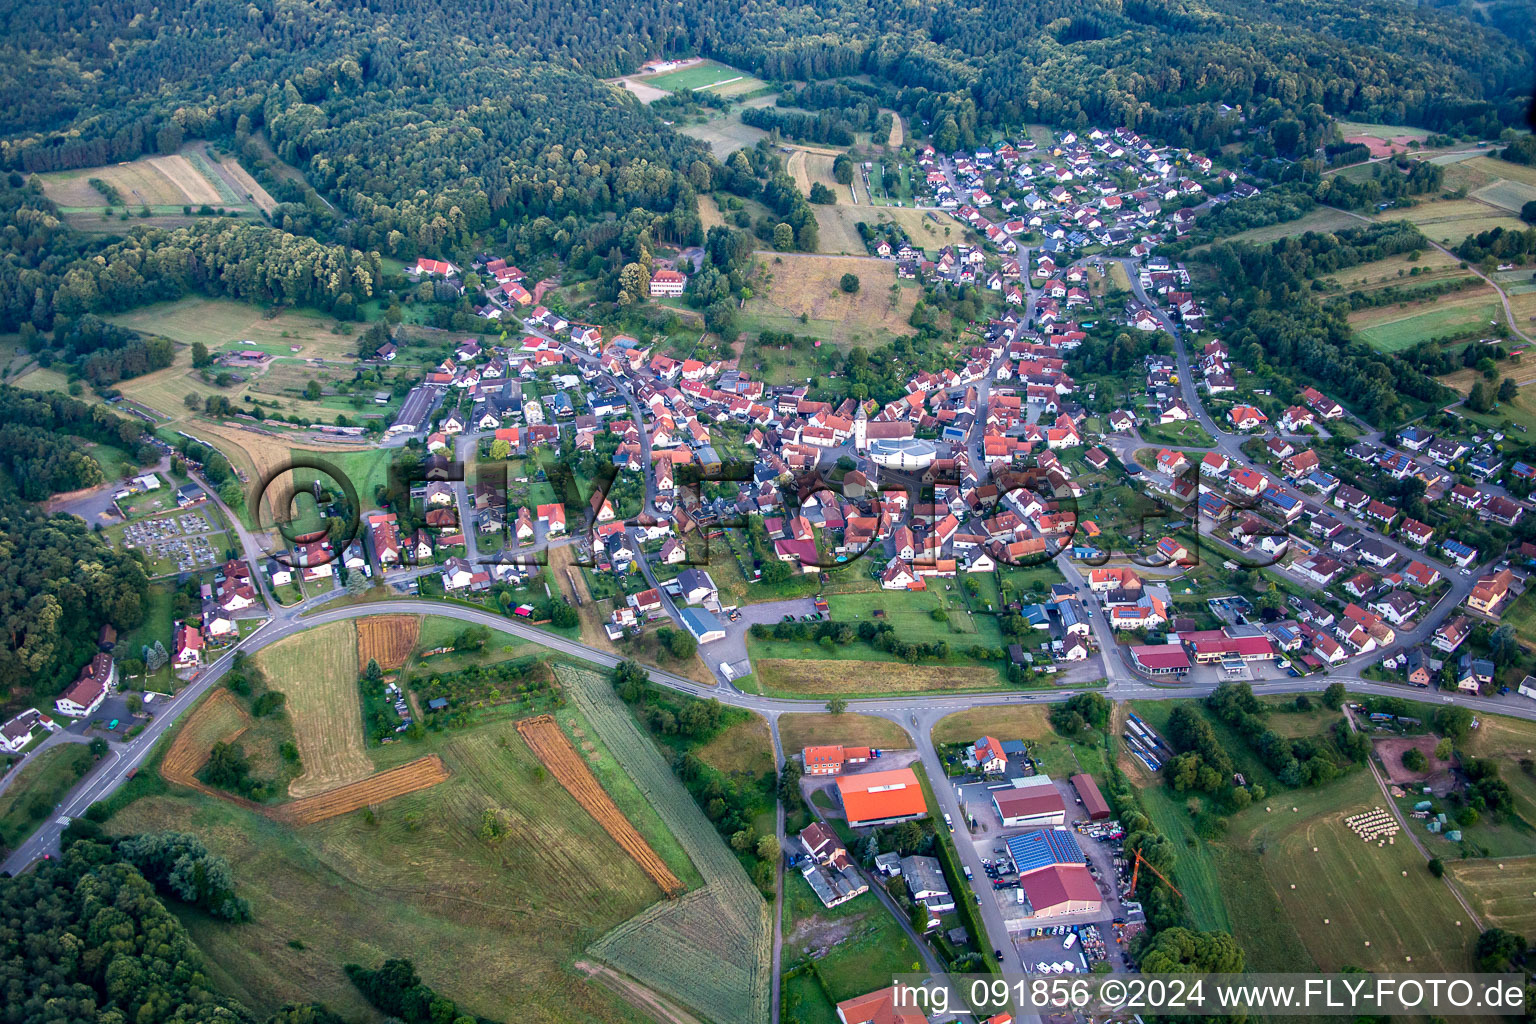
pixel 880 798
pixel 878 1008
pixel 926 884
pixel 830 760
pixel 1093 801
pixel 1031 801
pixel 414 410
pixel 827 869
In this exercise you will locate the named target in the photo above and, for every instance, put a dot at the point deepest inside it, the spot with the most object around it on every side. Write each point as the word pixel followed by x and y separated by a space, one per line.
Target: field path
pixel 1509 313
pixel 1407 827
pixel 898 130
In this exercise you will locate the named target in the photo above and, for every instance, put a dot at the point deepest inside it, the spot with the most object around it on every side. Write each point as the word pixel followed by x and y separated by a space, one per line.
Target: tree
pixel 849 283
pixel 1414 760
pixel 200 355
pixel 634 282
pixel 1454 722
pixel 842 169
pixel 1477 398
pixel 1528 212
pixel 1497 950
pixel 1436 867
pixel 501 450
pixel 1181 951
pixel 312 391
pixel 837 705
pixel 1333 696
pixel 1508 389
pixel 192 400
pixel 821 195
pixel 768 848
pixel 784 237
pixel 681 644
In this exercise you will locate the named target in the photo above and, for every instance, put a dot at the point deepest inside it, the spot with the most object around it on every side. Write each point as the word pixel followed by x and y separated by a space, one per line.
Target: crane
pixel 1135 871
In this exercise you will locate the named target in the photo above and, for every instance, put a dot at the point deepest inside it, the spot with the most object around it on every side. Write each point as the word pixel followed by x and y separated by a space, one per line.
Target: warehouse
pixel 880 798
pixel 1043 848
pixel 1088 792
pixel 1031 801
pixel 704 626
pixel 415 409
pixel 1061 889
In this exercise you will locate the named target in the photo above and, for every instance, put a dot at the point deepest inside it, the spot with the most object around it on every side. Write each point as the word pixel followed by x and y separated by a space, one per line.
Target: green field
pixel 1507 195
pixel 1185 434
pixel 1326 219
pixel 1501 890
pixel 1059 757
pixel 1391 329
pixel 32 796
pixel 701 76
pixel 867 945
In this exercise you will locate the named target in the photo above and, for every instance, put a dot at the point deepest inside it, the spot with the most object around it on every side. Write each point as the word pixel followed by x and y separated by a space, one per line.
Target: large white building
pixel 908 454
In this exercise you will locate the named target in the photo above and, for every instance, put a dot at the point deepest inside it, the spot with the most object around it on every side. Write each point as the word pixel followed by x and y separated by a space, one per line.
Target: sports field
pixel 1394 328
pixel 793 284
pixel 701 76
pixel 317 670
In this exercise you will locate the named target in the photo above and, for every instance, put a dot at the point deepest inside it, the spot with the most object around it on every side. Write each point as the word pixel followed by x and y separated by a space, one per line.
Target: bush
pixel 849 283
pixel 1414 759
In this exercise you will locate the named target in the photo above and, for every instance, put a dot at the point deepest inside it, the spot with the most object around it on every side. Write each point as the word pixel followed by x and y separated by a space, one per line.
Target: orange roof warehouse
pixel 880 798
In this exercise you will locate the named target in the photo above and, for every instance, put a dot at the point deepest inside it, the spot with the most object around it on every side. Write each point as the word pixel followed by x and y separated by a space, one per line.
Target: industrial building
pixel 1030 801
pixel 880 798
pixel 1088 792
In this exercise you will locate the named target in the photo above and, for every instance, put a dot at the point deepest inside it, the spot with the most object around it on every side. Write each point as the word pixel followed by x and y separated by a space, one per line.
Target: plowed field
pixel 387 639
pixel 422 773
pixel 544 737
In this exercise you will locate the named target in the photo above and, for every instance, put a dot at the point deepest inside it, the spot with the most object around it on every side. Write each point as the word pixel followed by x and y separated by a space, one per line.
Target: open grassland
pixel 1502 890
pixel 34 793
pixel 1432 265
pixel 1381 895
pixel 1506 195
pixel 743 751
pixel 317 670
pixel 855 945
pixel 835 231
pixel 898 131
pixel 709 213
pixel 800 677
pixel 416 880
pixel 387 639
pixel 793 285
pixel 724 135
pixel 796 732
pixel 548 743
pixel 248 185
pixel 1326 219
pixel 226 325
pixel 709 949
pixel 219 718
pixel 1448 221
pixel 1395 328
pixel 422 773
pixel 1511 742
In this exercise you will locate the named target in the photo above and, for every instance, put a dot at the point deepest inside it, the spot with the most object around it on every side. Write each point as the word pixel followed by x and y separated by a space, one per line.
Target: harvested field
pixel 1501 889
pixel 805 284
pixel 798 731
pixel 1507 195
pixel 387 639
pixel 317 670
pixel 144 182
pixel 644 93
pixel 1432 265
pixel 545 738
pixel 803 678
pixel 709 213
pixel 725 135
pixel 835 231
pixel 196 188
pixel 422 773
pixel 712 948
pixel 898 131
pixel 1448 221
pixel 218 719
pixel 248 185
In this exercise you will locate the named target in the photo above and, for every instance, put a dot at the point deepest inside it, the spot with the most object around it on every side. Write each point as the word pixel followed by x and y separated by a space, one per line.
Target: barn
pixel 1030 802
pixel 1088 792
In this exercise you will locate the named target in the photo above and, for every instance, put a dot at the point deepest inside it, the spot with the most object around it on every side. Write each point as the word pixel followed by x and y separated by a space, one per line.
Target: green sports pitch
pixel 704 75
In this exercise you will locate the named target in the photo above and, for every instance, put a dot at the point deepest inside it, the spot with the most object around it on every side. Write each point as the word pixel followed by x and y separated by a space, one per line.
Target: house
pixel 1171 462
pixel 1451 633
pixel 668 283
pixel 553 516
pixel 17 733
pixel 1472 674
pixel 1160 659
pixel 926 884
pixel 90 688
pixel 881 798
pixel 831 760
pixel 1490 592
pixel 188 647
pixel 880 1007
pixel 1246 417
pixel 697 586
pixel 989 757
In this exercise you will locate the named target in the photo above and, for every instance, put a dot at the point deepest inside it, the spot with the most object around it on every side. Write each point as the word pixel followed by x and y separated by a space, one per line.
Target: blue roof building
pixel 1042 848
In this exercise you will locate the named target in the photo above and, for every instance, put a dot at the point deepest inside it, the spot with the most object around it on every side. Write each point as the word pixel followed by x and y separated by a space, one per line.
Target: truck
pixel 968 874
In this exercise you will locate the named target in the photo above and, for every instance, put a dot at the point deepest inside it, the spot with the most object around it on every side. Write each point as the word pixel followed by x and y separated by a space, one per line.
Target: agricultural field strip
pixel 219 719
pixel 422 773
pixel 387 639
pixel 710 948
pixel 548 743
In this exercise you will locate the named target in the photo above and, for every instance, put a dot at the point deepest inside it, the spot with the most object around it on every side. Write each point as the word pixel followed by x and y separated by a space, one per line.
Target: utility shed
pixel 1088 793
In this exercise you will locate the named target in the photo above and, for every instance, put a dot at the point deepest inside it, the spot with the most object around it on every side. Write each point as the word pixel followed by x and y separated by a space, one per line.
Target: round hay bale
pixel 1325 921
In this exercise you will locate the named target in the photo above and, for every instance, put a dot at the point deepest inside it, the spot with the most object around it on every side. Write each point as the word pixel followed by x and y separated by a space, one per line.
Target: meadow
pixel 725 134
pixel 1501 889
pixel 797 731
pixel 1395 328
pixel 794 285
pixel 1448 221
pixel 165 185
pixel 34 793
